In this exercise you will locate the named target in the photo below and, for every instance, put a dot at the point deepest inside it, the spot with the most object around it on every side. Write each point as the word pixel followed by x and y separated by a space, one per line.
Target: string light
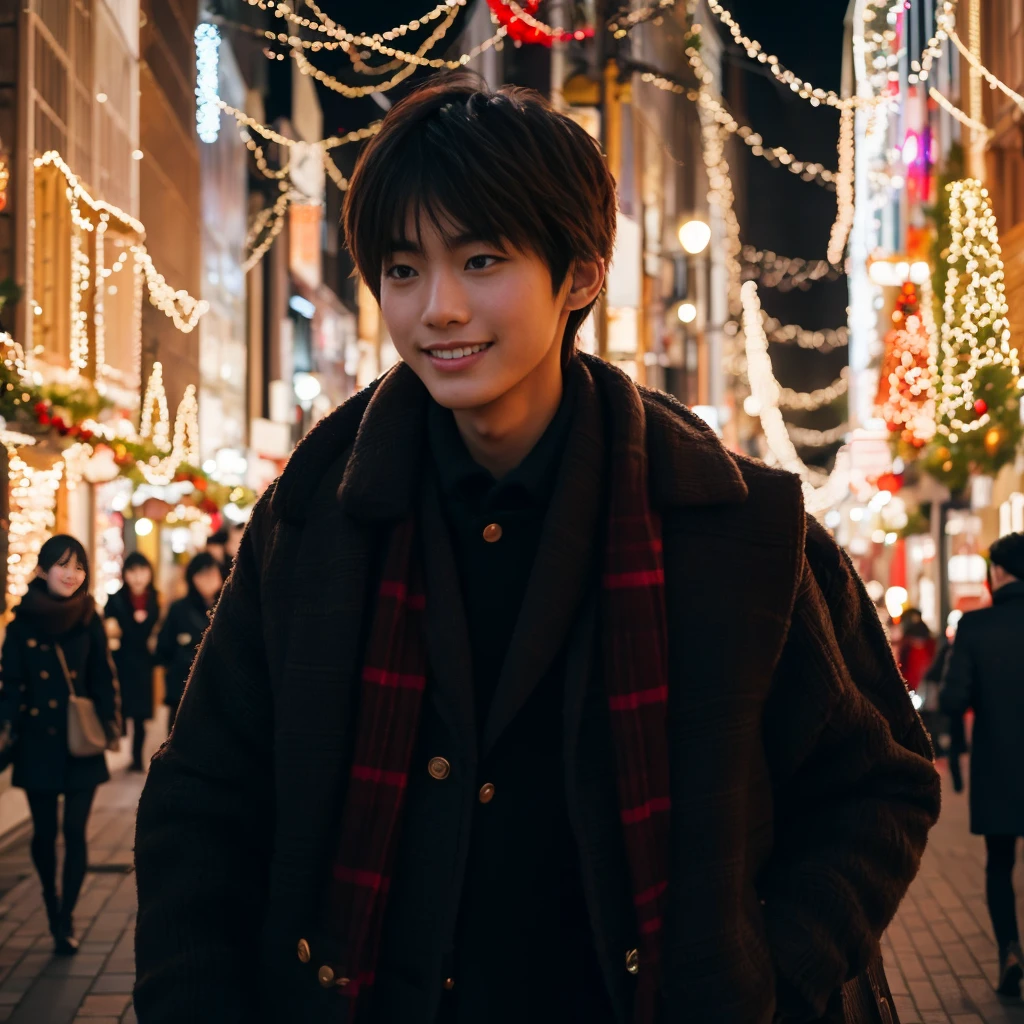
pixel 910 405
pixel 184 449
pixel 326 24
pixel 785 273
pixel 207 40
pixel 844 189
pixel 805 437
pixel 974 37
pixel 981 307
pixel 181 307
pixel 625 20
pixel 954 111
pixel 979 68
pixel 155 401
pixel 777 155
pixel 808 401
pixel 275 218
pixel 764 391
pixel 350 91
pixel 331 142
pixel 261 160
pixel 98 317
pixel 78 355
pixel 32 518
pixel 332 169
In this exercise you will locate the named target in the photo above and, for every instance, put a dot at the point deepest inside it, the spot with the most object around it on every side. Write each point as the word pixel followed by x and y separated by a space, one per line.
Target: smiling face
pixel 473 319
pixel 65 577
pixel 138 578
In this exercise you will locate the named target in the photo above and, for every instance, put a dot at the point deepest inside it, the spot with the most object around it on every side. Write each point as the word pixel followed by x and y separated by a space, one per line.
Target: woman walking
pixel 131 619
pixel 184 626
pixel 56 646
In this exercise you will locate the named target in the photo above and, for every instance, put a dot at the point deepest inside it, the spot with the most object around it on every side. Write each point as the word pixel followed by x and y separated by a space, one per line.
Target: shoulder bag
pixel 867 999
pixel 86 737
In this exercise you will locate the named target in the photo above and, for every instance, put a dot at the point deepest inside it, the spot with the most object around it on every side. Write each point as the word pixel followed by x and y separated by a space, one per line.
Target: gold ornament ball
pixel 992 440
pixel 947 467
pixel 943 453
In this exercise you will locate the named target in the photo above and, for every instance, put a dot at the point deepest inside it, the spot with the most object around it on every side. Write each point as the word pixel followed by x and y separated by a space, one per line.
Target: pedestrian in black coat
pixel 131 615
pixel 985 674
pixel 417 694
pixel 57 616
pixel 185 625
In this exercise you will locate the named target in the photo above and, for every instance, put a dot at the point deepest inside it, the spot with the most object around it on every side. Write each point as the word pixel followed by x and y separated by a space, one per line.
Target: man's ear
pixel 587 280
pixel 39 574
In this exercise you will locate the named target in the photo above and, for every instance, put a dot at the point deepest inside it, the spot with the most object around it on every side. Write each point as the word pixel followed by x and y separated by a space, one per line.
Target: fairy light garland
pixel 32 517
pixel 805 437
pixel 808 401
pixel 207 41
pixel 955 112
pixel 98 310
pixel 334 171
pixel 982 306
pixel 261 161
pixel 155 401
pixel 272 216
pixel 979 68
pixel 159 472
pixel 79 340
pixel 349 91
pixel 184 310
pixel 765 391
pixel 840 231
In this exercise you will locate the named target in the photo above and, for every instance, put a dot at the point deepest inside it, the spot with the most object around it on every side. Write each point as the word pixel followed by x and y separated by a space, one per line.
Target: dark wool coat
pixel 178 642
pixel 985 674
pixel 132 658
pixel 34 698
pixel 802 783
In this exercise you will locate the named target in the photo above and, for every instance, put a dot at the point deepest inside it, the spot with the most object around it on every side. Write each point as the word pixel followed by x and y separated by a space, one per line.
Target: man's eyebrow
pixel 404 245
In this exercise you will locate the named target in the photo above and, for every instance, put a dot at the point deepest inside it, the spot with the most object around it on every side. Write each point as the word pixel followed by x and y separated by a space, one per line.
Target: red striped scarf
pixel 394 677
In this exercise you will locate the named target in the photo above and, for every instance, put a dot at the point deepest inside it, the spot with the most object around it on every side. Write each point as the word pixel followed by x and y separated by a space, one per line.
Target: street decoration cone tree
pixel 978 424
pixel 906 387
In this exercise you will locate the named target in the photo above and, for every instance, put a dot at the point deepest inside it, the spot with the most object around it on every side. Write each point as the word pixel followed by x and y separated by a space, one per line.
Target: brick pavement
pixel 939 952
pixel 95 986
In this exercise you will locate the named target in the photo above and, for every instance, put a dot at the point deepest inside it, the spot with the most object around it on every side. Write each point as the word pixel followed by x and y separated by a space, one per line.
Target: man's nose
pixel 446 301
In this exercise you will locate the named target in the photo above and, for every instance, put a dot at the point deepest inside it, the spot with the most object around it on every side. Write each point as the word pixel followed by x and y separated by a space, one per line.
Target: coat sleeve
pixel 958 692
pixel 854 785
pixel 103 683
pixel 205 822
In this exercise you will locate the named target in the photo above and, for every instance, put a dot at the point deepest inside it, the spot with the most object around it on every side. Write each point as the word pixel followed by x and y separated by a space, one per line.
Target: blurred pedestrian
pixel 216 545
pixel 985 674
pixel 957 737
pixel 916 648
pixel 56 646
pixel 183 629
pixel 472 737
pixel 131 616
pixel 231 546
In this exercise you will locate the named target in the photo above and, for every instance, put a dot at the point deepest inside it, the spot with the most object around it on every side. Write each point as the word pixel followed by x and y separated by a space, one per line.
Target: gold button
pixel 449 984
pixel 326 976
pixel 31 642
pixel 492 533
pixel 52 703
pixel 44 674
pixel 633 962
pixel 33 712
pixel 439 768
pixel 486 793
pixel 304 953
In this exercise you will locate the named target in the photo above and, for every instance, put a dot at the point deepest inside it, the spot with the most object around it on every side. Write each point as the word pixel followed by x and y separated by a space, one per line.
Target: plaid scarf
pixel 636 677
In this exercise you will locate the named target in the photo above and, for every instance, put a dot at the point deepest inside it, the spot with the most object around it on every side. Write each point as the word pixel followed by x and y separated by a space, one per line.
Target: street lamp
pixel 694 236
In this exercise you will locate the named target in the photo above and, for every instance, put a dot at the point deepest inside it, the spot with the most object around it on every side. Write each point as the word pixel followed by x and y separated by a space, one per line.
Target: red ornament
pixel 890 482
pixel 40 407
pixel 44 418
pixel 526 30
pixel 981 407
pixel 59 425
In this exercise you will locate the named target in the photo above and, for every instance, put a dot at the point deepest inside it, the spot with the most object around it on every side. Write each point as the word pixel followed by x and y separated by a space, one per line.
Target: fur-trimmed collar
pixel 383 430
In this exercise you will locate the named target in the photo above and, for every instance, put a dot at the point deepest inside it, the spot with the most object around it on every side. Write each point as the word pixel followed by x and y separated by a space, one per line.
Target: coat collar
pixel 383 428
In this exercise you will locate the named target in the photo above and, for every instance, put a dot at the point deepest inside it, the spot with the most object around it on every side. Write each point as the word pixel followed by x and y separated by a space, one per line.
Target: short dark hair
pixel 1008 554
pixel 199 563
pixel 58 549
pixel 136 560
pixel 505 166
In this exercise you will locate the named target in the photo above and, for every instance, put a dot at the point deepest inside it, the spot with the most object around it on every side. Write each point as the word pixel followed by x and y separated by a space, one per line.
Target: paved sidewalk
pixel 940 955
pixel 95 986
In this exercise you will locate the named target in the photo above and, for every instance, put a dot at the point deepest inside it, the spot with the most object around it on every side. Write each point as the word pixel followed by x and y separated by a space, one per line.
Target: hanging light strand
pixel 840 231
pixel 954 111
pixel 808 401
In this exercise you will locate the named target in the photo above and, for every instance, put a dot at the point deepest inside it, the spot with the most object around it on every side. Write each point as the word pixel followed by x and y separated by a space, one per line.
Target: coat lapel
pixel 561 568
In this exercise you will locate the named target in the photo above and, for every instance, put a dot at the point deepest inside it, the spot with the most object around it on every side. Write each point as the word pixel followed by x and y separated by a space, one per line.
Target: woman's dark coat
pixel 178 642
pixel 802 782
pixel 34 698
pixel 132 657
pixel 985 674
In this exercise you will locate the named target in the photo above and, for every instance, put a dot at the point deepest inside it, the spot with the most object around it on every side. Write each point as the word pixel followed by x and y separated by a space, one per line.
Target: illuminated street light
pixel 687 312
pixel 694 236
pixel 307 387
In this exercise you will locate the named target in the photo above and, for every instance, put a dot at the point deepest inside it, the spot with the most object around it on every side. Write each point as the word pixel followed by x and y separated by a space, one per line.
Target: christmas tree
pixel 978 425
pixel 906 388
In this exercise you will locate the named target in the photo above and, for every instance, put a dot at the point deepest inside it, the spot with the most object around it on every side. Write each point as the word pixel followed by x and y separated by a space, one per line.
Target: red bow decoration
pixel 528 30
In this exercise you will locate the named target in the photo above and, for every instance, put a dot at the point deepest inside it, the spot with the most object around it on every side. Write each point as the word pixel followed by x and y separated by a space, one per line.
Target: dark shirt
pixel 494 573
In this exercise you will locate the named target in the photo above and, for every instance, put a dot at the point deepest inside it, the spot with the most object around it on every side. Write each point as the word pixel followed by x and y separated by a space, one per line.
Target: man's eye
pixel 400 272
pixel 481 262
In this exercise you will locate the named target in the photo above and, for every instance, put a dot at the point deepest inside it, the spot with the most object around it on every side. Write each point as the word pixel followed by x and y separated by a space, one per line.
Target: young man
pixel 984 674
pixel 472 738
